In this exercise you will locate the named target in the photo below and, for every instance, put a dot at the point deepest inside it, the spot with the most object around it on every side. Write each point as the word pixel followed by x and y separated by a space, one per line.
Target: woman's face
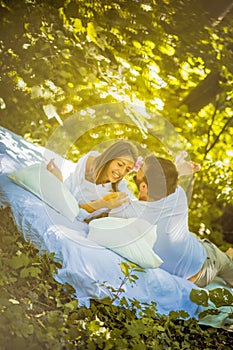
pixel 119 168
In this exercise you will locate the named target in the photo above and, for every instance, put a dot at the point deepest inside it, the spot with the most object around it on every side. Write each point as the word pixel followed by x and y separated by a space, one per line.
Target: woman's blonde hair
pixel 120 149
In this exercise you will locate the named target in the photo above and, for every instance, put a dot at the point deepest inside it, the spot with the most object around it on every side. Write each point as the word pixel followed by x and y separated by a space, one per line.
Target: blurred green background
pixel 173 58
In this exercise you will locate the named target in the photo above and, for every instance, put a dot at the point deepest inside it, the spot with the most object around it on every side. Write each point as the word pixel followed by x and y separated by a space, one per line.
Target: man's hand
pixel 143 191
pixel 185 167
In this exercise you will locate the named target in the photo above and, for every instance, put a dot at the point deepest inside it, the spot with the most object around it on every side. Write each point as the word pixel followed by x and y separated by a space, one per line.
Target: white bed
pixel 85 265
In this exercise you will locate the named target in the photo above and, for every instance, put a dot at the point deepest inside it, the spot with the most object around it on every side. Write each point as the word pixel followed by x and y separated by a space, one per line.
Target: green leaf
pixel 91 32
pixel 30 271
pixel 77 25
pixel 200 297
pixel 19 261
pixel 125 268
pixel 71 306
pixel 221 297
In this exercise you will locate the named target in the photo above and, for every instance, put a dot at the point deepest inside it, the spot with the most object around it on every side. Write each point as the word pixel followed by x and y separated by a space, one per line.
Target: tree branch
pixel 218 136
pixel 210 127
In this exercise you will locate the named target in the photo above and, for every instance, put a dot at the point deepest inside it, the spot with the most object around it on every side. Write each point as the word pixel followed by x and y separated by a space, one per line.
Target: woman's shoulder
pixel 85 158
pixel 88 154
pixel 93 154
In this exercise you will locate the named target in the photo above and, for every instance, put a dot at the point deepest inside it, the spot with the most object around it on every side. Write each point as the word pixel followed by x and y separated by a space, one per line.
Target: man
pixel 163 203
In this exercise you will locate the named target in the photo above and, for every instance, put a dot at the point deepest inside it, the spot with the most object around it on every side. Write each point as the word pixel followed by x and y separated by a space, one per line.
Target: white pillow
pixel 131 238
pixel 38 180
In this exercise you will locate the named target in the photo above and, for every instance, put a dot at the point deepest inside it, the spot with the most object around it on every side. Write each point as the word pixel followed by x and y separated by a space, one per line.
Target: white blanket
pixel 85 265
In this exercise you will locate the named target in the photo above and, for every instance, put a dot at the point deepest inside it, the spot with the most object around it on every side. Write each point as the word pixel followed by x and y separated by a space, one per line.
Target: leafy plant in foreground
pixel 39 313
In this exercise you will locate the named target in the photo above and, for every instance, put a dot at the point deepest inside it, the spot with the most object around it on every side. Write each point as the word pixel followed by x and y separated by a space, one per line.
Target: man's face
pixel 141 183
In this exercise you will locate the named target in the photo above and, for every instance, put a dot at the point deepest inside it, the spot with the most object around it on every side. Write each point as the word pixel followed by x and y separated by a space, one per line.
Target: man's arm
pixel 186 167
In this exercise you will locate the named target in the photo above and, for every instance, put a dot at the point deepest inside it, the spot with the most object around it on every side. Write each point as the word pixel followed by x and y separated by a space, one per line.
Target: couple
pixel 162 202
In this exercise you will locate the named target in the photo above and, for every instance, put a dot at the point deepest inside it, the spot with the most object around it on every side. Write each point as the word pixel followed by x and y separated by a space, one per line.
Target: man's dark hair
pixel 161 176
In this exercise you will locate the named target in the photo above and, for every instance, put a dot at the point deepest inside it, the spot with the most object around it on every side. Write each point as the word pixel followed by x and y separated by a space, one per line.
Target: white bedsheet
pixel 85 265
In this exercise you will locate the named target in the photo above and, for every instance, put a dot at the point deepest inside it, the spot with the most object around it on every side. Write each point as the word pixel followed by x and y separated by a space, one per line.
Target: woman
pixel 98 180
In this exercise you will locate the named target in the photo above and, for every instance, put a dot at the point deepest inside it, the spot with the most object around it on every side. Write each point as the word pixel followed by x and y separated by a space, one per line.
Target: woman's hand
pixel 113 200
pixel 53 168
pixel 109 201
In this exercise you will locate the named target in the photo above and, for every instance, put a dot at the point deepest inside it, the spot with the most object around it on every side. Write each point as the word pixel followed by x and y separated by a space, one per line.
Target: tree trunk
pixel 204 93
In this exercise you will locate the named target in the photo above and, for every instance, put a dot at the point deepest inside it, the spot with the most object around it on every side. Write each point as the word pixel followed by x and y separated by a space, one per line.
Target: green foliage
pixel 128 270
pixel 218 296
pixel 60 57
pixel 175 57
pixel 39 313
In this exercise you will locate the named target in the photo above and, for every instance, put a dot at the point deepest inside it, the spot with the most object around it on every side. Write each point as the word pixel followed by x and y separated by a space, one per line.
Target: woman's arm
pixel 53 168
pixel 109 201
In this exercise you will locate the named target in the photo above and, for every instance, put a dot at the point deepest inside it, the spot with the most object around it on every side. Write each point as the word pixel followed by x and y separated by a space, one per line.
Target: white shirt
pixel 183 254
pixel 86 191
